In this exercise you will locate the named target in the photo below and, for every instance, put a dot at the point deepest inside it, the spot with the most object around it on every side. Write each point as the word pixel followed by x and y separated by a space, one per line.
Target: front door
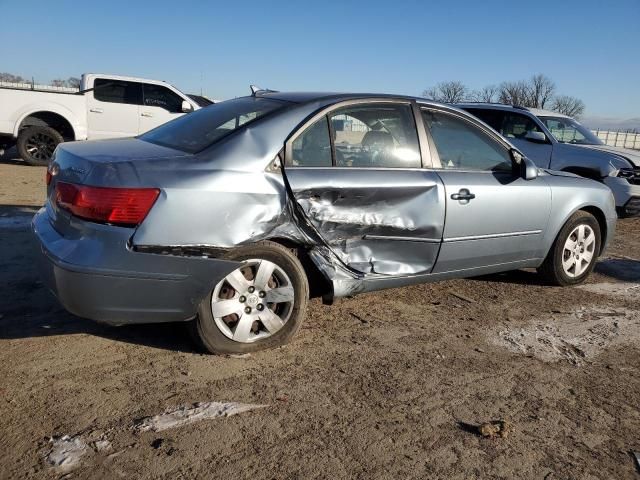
pixel 519 130
pixel 160 105
pixel 356 173
pixel 494 217
pixel 113 109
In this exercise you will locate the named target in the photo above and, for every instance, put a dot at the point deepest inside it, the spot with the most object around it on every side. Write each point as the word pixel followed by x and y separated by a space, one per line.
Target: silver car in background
pixel 233 216
pixel 559 142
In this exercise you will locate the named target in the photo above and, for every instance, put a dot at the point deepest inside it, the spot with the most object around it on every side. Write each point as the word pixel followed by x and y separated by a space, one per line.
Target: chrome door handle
pixel 463 194
pixel 145 114
pixel 96 110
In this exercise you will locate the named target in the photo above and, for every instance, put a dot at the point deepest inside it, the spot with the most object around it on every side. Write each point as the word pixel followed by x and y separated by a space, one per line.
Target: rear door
pixel 113 109
pixel 516 128
pixel 494 216
pixel 160 104
pixel 356 171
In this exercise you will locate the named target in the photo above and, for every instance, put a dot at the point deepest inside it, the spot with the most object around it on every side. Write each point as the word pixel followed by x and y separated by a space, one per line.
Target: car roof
pixel 305 97
pixel 538 112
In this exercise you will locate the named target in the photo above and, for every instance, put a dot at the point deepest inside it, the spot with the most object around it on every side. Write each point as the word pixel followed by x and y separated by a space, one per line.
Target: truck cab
pixel 126 107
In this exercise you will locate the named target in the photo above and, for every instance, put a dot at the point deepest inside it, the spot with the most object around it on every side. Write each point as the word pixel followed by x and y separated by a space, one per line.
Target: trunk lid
pixel 103 163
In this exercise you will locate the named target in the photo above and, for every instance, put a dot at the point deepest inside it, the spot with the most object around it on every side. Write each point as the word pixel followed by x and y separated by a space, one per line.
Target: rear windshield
pixel 196 131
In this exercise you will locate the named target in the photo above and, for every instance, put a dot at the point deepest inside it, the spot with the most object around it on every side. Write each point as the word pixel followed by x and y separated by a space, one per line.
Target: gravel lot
pixel 385 385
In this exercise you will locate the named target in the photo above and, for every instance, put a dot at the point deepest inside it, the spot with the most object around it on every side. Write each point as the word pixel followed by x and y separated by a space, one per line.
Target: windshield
pixel 200 100
pixel 196 131
pixel 567 130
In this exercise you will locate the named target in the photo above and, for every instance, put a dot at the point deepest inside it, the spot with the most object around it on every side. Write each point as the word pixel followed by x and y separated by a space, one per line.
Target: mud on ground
pixel 385 385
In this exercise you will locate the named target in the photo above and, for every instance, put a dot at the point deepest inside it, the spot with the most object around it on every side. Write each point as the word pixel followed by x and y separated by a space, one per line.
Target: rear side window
pixel 117 91
pixel 159 96
pixel 313 148
pixel 376 135
pixel 198 130
pixel 461 145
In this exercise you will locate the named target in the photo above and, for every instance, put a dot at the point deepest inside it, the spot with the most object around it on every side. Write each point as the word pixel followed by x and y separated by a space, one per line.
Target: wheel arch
pixel 45 118
pixel 602 223
pixel 560 218
pixel 319 284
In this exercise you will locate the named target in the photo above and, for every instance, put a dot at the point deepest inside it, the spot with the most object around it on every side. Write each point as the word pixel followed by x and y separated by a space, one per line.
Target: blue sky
pixel 588 47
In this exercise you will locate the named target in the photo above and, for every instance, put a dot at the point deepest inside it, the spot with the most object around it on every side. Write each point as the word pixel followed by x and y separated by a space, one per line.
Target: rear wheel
pixel 259 305
pixel 574 252
pixel 36 144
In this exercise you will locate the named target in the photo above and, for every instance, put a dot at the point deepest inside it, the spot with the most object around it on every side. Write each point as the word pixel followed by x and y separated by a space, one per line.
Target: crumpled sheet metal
pixel 372 226
pixel 228 213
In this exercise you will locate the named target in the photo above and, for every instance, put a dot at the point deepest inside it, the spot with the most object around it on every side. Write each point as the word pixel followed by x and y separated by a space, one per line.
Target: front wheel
pixel 259 305
pixel 574 252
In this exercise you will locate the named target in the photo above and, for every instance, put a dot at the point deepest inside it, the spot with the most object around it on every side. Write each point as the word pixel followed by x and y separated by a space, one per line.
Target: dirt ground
pixel 385 385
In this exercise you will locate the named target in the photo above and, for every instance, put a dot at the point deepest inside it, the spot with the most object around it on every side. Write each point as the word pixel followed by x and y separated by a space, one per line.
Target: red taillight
pixel 119 206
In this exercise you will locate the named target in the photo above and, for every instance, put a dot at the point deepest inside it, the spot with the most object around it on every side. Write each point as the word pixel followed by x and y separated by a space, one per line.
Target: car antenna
pixel 255 90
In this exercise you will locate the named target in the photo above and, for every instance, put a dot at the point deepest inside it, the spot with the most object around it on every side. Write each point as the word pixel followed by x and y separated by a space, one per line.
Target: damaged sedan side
pixel 233 216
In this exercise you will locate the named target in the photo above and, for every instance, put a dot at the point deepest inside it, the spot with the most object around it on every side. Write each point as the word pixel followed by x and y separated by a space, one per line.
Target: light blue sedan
pixel 232 217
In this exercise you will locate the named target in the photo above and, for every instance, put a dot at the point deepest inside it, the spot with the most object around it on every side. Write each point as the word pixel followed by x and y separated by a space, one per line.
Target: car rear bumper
pixel 96 275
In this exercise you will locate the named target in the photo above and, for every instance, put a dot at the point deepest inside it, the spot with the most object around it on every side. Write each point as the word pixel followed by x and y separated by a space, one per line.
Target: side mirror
pixel 537 137
pixel 527 169
pixel 186 107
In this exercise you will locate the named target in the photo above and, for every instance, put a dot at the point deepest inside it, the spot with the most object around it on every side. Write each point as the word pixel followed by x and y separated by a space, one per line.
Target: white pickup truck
pixel 36 118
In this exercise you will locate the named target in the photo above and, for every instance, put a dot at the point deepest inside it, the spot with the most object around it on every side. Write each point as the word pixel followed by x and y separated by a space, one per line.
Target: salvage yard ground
pixel 385 385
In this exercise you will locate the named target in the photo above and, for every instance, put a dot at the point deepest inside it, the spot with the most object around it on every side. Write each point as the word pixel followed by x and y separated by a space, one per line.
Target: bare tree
pixel 488 94
pixel 447 92
pixel 537 92
pixel 73 82
pixel 9 77
pixel 514 93
pixel 541 91
pixel 571 106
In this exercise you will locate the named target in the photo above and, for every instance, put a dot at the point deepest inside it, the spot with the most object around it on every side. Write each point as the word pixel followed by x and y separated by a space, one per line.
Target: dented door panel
pixel 376 221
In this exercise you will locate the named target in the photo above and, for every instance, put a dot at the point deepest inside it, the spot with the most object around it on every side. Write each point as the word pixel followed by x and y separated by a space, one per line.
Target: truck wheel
pixel 36 144
pixel 259 305
pixel 574 252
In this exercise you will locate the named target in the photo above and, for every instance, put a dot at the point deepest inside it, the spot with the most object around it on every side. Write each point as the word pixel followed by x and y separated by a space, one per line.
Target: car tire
pixel 228 334
pixel 36 145
pixel 571 259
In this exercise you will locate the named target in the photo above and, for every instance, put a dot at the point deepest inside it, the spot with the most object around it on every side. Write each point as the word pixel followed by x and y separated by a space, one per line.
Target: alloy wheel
pixel 40 146
pixel 578 251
